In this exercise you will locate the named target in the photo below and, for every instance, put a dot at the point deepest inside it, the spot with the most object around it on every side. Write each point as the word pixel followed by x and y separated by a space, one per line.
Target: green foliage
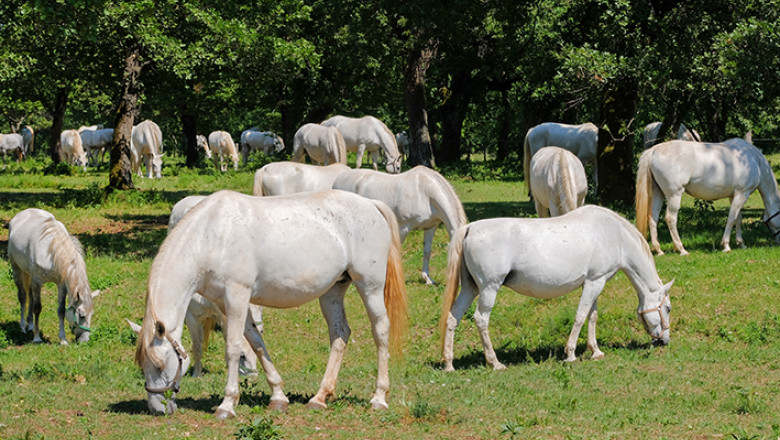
pixel 261 428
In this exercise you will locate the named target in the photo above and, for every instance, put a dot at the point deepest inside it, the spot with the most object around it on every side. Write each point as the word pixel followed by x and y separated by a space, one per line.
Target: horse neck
pixel 639 267
pixel 454 215
pixel 389 144
pixel 170 289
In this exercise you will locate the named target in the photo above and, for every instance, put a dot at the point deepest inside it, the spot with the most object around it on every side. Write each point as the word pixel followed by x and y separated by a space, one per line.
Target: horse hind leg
pixel 428 235
pixel 487 299
pixel 657 204
pixel 332 306
pixel 35 307
pixel 468 293
pixel 672 211
pixel 592 343
pixel 735 219
pixel 22 281
pixel 61 297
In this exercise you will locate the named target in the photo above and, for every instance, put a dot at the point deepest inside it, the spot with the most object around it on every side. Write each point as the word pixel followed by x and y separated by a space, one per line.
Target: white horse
pixel 368 134
pixel 72 149
pixel 222 146
pixel 548 258
pixel 557 181
pixel 403 142
pixel 420 198
pixel 203 144
pixel 147 142
pixel 265 141
pixel 652 129
pixel 28 138
pixel 41 251
pixel 282 178
pixel 96 141
pixel 707 171
pixel 582 140
pixel 325 145
pixel 203 315
pixel 275 252
pixel 12 143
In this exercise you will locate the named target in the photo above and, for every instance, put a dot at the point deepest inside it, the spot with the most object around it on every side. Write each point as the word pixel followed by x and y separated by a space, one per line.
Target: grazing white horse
pixel 203 315
pixel 325 145
pixel 282 178
pixel 28 138
pixel 582 140
pixel 548 258
pixel 41 251
pixel 420 198
pixel 265 141
pixel 12 143
pixel 558 182
pixel 72 149
pixel 652 129
pixel 368 134
pixel 275 252
pixel 96 141
pixel 707 171
pixel 403 142
pixel 222 146
pixel 147 142
pixel 203 144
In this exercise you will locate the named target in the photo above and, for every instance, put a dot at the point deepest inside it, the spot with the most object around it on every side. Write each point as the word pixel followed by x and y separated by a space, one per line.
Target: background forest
pixel 465 77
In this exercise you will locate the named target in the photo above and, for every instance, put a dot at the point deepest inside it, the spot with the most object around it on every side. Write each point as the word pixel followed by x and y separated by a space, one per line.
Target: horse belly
pixel 547 285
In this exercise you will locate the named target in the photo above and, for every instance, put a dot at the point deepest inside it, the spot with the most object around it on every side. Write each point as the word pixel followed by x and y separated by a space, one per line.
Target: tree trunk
pixel 506 127
pixel 453 111
pixel 58 120
pixel 616 154
pixel 420 151
pixel 121 174
pixel 189 125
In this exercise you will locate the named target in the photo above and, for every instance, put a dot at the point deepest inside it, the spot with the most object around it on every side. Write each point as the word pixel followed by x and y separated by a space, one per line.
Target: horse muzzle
pixel 158 405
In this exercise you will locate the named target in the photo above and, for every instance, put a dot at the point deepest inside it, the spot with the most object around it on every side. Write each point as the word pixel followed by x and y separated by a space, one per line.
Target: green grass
pixel 719 377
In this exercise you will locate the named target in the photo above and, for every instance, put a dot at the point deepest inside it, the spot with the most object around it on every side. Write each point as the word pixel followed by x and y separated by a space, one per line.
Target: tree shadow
pixel 482 210
pixel 14 335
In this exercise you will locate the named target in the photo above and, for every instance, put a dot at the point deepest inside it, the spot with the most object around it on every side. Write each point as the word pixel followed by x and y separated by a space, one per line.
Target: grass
pixel 719 377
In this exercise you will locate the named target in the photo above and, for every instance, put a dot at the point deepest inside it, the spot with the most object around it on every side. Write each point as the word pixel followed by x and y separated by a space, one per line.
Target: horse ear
pixel 159 329
pixel 95 293
pixel 136 328
pixel 668 286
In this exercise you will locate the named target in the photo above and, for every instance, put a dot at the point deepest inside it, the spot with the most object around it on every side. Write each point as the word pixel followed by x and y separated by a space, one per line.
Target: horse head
pixel 157 165
pixel 79 317
pixel 656 319
pixel 163 362
pixel 278 144
pixel 394 165
pixel 772 221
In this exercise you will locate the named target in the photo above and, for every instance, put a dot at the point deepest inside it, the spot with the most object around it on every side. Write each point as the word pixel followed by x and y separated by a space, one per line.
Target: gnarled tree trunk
pixel 420 151
pixel 120 172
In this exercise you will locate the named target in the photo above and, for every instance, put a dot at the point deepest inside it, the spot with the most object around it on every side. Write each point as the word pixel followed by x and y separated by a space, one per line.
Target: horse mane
pixel 145 337
pixel 393 142
pixel 566 200
pixel 68 259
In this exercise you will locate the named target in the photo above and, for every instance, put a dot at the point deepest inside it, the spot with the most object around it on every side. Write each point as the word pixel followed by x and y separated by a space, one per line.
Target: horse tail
pixel 644 191
pixel 567 196
pixel 527 160
pixel 395 285
pixel 339 145
pixel 454 265
pixel 257 186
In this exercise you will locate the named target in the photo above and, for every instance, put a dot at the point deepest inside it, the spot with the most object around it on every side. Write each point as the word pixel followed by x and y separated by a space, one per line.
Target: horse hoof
pixel 63 342
pixel 379 406
pixel 223 414
pixel 278 405
pixel 499 367
pixel 597 356
pixel 449 368
pixel 316 406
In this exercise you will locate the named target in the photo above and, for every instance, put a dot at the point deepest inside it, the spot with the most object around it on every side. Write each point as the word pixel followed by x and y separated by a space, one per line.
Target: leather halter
pixel 664 323
pixel 72 308
pixel 174 385
pixel 769 219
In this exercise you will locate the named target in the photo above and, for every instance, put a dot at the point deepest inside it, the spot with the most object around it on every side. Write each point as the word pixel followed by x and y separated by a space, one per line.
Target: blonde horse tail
pixel 567 197
pixel 395 285
pixel 527 161
pixel 340 145
pixel 454 264
pixel 644 191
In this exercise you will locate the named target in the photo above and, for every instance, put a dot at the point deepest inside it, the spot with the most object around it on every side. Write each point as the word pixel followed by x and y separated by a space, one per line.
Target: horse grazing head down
pixel 656 319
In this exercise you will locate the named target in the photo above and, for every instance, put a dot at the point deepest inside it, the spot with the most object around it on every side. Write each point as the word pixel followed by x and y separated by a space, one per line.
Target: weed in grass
pixel 516 426
pixel 421 409
pixel 746 401
pixel 261 428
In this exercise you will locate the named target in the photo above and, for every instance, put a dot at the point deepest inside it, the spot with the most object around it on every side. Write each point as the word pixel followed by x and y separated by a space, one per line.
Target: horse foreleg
pixel 248 364
pixel 468 292
pixel 35 307
pixel 428 235
pixel 252 334
pixel 735 218
pixel 375 159
pixel 592 343
pixel 672 210
pixel 657 204
pixel 590 292
pixel 61 295
pixel 487 299
pixel 236 301
pixel 332 306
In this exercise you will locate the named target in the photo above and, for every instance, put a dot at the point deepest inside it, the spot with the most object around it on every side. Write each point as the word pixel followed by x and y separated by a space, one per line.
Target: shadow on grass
pixel 14 336
pixel 482 210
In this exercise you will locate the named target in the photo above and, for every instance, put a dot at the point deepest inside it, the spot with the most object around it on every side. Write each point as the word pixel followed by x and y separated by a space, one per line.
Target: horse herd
pixel 309 231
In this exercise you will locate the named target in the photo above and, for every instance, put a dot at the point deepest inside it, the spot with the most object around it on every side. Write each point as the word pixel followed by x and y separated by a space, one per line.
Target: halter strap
pixel 664 323
pixel 769 219
pixel 75 319
pixel 174 385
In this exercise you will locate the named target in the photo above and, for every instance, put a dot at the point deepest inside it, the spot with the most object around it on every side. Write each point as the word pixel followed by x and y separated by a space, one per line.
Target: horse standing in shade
pixel 28 139
pixel 582 140
pixel 275 252
pixel 652 129
pixel 548 258
pixel 147 143
pixel 282 178
pixel 368 134
pixel 12 143
pixel 707 171
pixel 557 181
pixel 72 149
pixel 95 141
pixel 325 145
pixel 222 146
pixel 42 251
pixel 265 141
pixel 420 198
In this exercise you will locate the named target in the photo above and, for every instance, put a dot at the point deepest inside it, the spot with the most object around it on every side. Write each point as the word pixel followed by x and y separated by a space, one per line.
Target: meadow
pixel 718 378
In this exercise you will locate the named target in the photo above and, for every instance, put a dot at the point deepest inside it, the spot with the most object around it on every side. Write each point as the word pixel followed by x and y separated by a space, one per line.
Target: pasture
pixel 718 378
